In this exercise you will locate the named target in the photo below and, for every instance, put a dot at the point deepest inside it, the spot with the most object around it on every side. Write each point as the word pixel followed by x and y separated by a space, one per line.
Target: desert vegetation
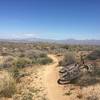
pixel 68 59
pixel 22 68
pixel 94 55
pixel 7 84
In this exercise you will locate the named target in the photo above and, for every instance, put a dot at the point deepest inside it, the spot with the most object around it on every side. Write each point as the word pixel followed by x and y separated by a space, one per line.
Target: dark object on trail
pixel 72 72
pixel 68 73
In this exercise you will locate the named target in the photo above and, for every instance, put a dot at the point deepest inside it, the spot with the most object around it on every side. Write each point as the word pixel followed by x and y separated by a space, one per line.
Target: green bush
pixel 44 61
pixel 22 62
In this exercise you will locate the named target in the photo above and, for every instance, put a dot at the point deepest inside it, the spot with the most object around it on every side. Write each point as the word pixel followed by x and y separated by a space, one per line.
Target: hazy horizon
pixel 50 19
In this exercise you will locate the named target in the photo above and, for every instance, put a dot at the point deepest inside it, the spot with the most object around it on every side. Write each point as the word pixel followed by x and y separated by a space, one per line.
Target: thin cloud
pixel 19 35
pixel 24 35
pixel 29 34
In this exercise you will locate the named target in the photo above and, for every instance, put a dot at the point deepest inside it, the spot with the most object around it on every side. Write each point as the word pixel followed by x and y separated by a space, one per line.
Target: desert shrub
pixel 44 60
pixel 27 96
pixel 5 65
pixel 34 54
pixel 16 97
pixel 68 59
pixel 21 55
pixel 4 54
pixel 92 97
pixel 38 57
pixel 58 50
pixel 7 62
pixel 33 57
pixel 8 58
pixel 94 55
pixel 17 73
pixel 65 46
pixel 14 71
pixel 22 62
pixel 7 84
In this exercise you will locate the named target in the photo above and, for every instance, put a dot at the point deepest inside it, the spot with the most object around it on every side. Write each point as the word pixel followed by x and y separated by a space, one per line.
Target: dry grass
pixel 7 84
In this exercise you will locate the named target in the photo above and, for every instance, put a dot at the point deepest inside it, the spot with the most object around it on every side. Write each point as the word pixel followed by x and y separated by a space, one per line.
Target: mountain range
pixel 67 41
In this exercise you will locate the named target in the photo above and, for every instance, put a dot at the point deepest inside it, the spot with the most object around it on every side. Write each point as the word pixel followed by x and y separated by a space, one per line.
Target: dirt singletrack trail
pixel 54 90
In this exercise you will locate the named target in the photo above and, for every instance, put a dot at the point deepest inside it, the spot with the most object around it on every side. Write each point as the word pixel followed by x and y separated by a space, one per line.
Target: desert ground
pixel 30 71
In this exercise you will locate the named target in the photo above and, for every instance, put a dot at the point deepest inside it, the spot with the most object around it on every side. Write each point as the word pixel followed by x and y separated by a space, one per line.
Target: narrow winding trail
pixel 54 91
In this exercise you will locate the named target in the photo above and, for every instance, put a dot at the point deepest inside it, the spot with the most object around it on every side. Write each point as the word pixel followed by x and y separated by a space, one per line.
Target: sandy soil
pixel 54 91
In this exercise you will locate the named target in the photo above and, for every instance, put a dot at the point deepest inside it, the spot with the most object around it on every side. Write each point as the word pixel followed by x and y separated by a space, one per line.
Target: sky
pixel 50 19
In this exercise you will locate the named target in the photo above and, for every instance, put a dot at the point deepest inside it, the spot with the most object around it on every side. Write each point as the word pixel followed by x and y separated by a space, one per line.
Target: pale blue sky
pixel 51 19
